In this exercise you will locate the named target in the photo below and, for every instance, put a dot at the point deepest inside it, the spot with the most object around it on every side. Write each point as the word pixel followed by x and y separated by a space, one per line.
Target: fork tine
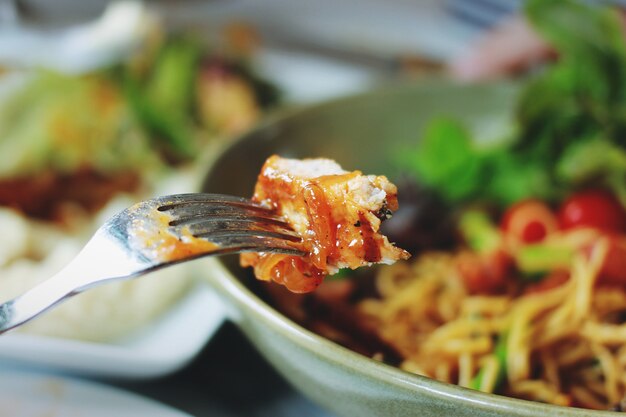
pixel 217 236
pixel 200 214
pixel 229 222
pixel 189 212
pixel 184 200
pixel 255 243
pixel 213 225
pixel 254 248
pixel 193 214
pixel 137 240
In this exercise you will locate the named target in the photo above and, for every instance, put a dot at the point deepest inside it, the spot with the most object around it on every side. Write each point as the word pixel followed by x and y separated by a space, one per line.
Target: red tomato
pixel 529 221
pixel 483 273
pixel 593 208
pixel 613 270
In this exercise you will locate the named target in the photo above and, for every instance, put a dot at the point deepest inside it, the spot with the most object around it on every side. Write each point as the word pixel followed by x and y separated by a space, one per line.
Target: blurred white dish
pixel 162 347
pixel 25 394
pixel 79 48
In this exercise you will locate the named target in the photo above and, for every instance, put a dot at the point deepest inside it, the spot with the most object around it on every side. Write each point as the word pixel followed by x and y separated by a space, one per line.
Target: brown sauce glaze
pixel 329 213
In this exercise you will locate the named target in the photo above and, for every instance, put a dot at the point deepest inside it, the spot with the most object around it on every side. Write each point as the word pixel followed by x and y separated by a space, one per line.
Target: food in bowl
pixel 337 214
pixel 534 314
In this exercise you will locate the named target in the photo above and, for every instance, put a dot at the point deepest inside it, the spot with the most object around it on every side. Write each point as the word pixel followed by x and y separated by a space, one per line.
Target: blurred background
pixel 312 50
pixel 104 102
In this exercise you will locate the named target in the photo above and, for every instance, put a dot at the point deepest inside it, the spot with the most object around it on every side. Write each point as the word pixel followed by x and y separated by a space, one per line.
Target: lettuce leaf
pixel 570 120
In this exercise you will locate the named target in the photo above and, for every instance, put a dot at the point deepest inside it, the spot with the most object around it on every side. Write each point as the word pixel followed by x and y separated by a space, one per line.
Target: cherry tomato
pixel 528 221
pixel 613 269
pixel 593 208
pixel 483 273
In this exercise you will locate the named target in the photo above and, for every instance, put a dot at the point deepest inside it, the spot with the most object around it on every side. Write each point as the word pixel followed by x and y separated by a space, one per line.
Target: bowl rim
pixel 249 305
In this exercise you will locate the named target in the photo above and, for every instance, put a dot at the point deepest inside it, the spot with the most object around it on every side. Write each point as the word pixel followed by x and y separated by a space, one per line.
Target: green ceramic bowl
pixel 360 132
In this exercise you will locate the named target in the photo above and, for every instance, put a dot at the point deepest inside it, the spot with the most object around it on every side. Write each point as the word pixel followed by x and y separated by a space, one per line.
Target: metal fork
pixel 154 234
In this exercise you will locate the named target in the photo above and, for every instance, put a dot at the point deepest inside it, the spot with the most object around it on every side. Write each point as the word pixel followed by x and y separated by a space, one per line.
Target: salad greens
pixel 570 120
pixel 166 95
pixel 63 123
pixel 162 99
pixel 120 118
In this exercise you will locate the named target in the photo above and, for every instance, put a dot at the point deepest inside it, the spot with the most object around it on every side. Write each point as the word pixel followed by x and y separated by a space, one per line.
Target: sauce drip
pixel 152 234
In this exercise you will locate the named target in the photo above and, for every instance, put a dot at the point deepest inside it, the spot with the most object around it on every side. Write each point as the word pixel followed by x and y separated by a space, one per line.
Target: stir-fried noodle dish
pixel 477 320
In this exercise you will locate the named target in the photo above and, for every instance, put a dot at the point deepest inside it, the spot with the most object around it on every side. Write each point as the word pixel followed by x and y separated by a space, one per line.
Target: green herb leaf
pixel 446 159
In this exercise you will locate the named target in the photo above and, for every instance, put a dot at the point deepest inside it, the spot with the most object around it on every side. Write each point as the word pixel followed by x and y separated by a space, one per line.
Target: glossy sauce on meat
pixel 338 231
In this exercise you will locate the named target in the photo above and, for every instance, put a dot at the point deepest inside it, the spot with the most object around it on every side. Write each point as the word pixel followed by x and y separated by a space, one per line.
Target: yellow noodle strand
pixel 609 367
pixel 466 369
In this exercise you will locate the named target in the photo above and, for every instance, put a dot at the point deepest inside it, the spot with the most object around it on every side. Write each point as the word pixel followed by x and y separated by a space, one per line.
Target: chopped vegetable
pixel 479 232
pixel 484 269
pixel 483 273
pixel 342 274
pixel 500 353
pixel 543 258
pixel 528 221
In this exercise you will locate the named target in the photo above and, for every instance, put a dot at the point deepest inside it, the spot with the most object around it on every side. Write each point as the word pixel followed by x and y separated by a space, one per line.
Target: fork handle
pixel 65 283
pixel 38 299
pixel 80 274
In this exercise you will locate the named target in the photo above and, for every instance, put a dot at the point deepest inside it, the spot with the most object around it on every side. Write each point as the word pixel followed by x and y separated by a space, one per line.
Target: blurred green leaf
pixel 446 159
pixel 514 178
pixel 163 100
pixel 580 96
pixel 590 159
pixel 479 231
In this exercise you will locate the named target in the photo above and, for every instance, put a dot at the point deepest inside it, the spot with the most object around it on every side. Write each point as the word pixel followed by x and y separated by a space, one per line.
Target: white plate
pixel 163 347
pixel 25 394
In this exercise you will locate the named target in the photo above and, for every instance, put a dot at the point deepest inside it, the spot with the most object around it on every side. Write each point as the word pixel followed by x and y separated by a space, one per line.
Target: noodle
pixel 538 390
pixel 442 372
pixel 466 368
pixel 550 370
pixel 563 345
pixel 586 398
pixel 574 351
pixel 605 333
pixel 490 374
pixel 608 364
